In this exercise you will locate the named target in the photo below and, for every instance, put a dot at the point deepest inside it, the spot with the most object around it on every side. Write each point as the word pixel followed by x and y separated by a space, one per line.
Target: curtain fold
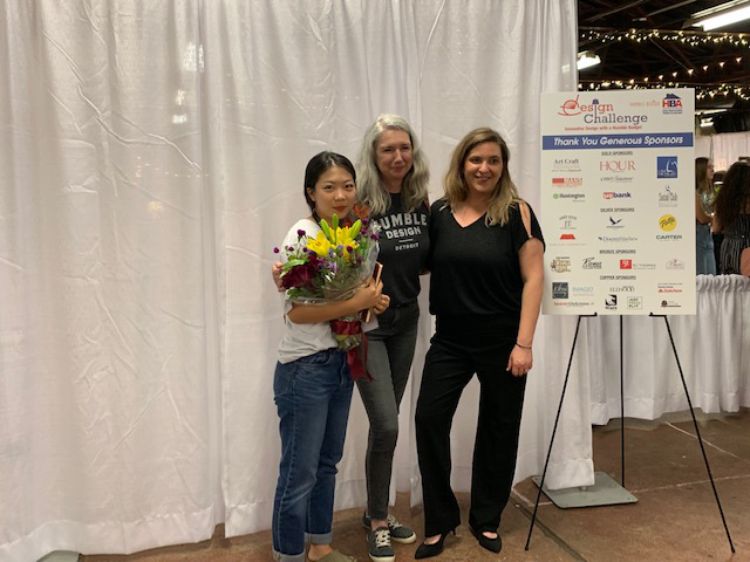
pixel 152 155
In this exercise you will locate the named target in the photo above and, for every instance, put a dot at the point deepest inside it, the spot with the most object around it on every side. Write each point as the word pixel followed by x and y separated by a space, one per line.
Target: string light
pixel 702 91
pixel 689 38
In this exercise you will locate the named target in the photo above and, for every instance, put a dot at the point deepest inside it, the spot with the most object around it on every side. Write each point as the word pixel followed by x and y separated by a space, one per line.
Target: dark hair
pixel 734 194
pixel 320 164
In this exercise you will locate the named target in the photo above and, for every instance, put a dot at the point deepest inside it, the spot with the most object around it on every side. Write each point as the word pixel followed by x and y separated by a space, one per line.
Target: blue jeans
pixel 389 357
pixel 312 396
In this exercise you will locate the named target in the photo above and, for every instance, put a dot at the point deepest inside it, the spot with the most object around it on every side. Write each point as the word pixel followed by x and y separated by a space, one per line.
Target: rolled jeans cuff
pixel 319 538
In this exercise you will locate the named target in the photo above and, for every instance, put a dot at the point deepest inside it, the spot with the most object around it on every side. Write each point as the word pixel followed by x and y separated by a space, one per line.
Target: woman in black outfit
pixel 486 263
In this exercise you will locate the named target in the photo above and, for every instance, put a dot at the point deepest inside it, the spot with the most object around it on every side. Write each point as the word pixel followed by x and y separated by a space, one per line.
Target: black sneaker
pixel 399 533
pixel 379 545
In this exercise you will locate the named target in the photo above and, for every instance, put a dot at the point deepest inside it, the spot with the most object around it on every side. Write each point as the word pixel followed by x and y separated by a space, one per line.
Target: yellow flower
pixel 320 245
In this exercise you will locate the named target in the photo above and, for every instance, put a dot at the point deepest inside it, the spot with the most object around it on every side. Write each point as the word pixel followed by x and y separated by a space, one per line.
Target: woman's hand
pixel 383 304
pixel 520 361
pixel 276 273
pixel 368 296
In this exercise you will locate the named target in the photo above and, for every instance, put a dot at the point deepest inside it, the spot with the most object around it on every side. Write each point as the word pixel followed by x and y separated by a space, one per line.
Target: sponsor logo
pixel 675 263
pixel 591 263
pixel 670 304
pixel 587 290
pixel 599 113
pixel 568 222
pixel 567 236
pixel 667 222
pixel 641 265
pixel 617 238
pixel 669 236
pixel 560 265
pixel 567 182
pixel 574 304
pixel 626 264
pixel 617 166
pixel 617 153
pixel 673 288
pixel 671 105
pixel 616 195
pixel 610 302
pixel 614 222
pixel 666 166
pixel 566 165
pixel 618 251
pixel 634 303
pixel 574 196
pixel 622 289
pixel 560 290
pixel 617 277
pixel 667 197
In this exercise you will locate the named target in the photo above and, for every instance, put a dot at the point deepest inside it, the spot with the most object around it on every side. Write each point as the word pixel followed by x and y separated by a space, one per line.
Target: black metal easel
pixel 622 424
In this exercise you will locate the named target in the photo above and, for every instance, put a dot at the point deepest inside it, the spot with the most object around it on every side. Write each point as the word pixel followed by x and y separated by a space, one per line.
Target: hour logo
pixel 666 166
pixel 667 223
pixel 617 166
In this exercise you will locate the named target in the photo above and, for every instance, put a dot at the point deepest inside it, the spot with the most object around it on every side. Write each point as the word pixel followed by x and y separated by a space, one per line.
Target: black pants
pixel 457 351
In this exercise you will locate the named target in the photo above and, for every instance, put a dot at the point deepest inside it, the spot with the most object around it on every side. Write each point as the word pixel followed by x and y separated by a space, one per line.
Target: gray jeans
pixel 389 355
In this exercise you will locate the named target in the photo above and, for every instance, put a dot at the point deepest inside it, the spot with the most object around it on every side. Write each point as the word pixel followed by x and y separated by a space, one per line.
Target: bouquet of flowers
pixel 330 267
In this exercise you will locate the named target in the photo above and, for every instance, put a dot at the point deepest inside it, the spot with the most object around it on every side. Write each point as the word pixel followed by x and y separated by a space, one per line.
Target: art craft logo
pixel 626 264
pixel 566 165
pixel 610 302
pixel 617 166
pixel 668 197
pixel 567 182
pixel 666 167
pixel 667 223
pixel 617 195
pixel 671 105
pixel 560 290
pixel 560 265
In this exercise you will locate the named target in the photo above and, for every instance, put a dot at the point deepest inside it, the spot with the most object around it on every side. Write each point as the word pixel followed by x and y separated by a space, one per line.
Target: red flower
pixel 301 275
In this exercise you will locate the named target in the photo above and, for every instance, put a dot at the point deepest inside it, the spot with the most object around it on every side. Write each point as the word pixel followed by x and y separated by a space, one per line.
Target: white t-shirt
pixel 301 340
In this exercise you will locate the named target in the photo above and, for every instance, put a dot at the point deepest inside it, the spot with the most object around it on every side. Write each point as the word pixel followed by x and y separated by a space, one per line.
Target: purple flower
pixel 300 232
pixel 276 250
pixel 349 249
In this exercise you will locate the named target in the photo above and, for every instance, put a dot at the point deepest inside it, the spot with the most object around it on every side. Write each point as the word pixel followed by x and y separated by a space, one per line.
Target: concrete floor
pixel 675 519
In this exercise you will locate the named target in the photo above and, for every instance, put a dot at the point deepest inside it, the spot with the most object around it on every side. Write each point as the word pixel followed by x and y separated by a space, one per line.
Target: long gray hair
pixel 370 189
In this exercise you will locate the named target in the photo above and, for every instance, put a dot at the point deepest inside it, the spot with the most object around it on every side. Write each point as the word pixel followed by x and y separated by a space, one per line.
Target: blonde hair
pixel 370 190
pixel 505 194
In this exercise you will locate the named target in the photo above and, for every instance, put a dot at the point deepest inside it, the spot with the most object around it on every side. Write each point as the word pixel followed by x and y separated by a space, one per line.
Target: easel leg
pixel 698 434
pixel 554 431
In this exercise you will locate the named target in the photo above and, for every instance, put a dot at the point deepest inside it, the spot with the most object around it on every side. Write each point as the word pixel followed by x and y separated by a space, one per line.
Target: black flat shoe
pixel 429 550
pixel 493 545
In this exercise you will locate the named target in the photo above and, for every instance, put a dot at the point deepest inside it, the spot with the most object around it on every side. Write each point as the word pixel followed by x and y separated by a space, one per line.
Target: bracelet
pixel 523 346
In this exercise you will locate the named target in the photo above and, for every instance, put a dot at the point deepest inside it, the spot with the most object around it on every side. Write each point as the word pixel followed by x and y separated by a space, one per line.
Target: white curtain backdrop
pixel 151 156
pixel 723 149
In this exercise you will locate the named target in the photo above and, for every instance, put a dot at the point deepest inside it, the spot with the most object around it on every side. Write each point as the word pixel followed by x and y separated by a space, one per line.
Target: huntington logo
pixel 667 223
pixel 666 167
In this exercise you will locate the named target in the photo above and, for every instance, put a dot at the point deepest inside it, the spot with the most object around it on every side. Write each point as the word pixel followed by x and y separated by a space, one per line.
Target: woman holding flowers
pixel 485 290
pixel 312 383
pixel 392 187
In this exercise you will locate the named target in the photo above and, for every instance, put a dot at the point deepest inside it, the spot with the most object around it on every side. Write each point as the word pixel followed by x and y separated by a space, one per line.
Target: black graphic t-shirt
pixel 404 245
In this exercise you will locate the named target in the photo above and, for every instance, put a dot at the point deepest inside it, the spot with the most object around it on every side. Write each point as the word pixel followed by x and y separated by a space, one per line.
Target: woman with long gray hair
pixel 392 185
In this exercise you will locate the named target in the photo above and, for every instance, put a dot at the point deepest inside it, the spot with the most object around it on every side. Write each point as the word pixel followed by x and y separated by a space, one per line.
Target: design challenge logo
pixel 671 104
pixel 666 167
